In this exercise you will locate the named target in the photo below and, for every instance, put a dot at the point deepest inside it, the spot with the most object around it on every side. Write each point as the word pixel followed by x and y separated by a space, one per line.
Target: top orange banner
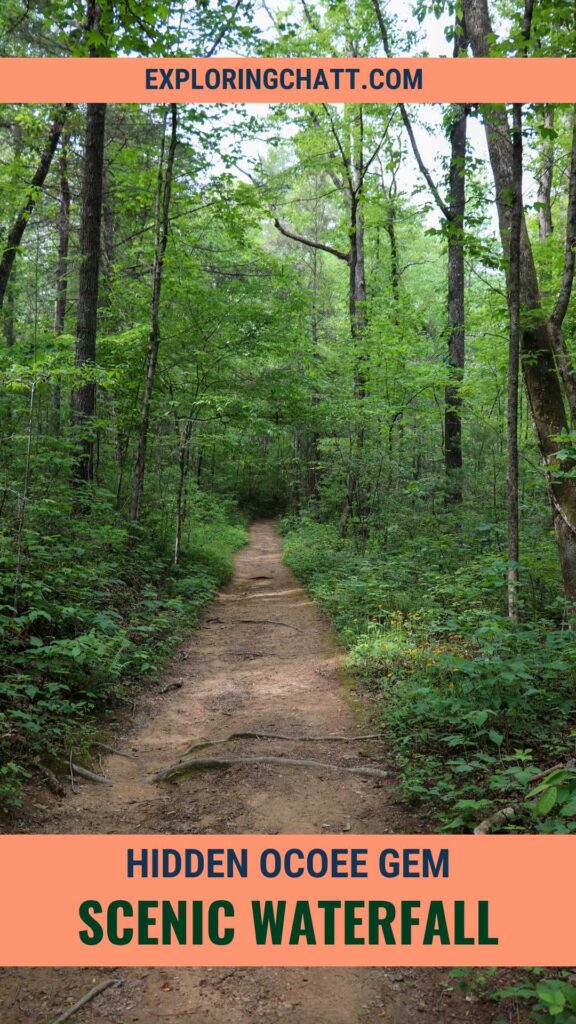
pixel 287 80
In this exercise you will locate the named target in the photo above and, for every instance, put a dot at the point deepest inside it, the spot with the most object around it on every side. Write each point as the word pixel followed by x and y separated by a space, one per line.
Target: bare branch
pixel 227 24
pixel 310 243
pixel 408 124
pixel 345 159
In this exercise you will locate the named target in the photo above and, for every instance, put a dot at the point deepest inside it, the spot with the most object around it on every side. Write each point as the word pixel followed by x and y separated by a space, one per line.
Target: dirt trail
pixel 280 672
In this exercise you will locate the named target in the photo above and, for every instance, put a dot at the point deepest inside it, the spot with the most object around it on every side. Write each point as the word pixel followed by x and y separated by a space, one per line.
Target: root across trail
pixel 267 694
pixel 200 763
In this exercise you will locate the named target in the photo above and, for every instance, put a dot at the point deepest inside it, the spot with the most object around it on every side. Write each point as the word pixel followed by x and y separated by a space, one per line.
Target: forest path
pixel 280 672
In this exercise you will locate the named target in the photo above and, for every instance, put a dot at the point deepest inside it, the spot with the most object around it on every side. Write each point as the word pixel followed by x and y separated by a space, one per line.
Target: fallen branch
pixel 199 763
pixel 52 781
pixel 91 776
pixel 71 771
pixel 87 998
pixel 512 810
pixel 548 771
pixel 279 736
pixel 258 622
pixel 498 818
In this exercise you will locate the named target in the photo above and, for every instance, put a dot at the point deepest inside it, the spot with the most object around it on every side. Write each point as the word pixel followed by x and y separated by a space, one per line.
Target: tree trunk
pixel 356 495
pixel 545 228
pixel 390 225
pixel 183 461
pixel 545 174
pixel 84 395
pixel 456 284
pixel 61 267
pixel 163 193
pixel 9 314
pixel 513 364
pixel 18 228
pixel 543 384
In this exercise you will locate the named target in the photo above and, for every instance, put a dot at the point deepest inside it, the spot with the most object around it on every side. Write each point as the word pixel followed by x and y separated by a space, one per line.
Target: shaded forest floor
pixel 264 659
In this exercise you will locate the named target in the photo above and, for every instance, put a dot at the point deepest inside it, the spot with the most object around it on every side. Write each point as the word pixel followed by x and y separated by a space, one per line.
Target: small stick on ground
pixel 548 771
pixel 199 763
pixel 258 622
pixel 84 773
pixel 87 998
pixel 71 767
pixel 279 736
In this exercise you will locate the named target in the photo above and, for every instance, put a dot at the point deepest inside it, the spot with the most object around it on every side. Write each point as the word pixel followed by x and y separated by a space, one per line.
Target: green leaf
pixel 546 801
pixel 496 737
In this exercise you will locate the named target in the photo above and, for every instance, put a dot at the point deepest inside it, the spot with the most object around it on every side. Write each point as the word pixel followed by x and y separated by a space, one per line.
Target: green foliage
pixel 97 612
pixel 546 997
pixel 471 704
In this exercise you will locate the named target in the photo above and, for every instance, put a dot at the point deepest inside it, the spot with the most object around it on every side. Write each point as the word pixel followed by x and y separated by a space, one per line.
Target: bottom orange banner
pixel 246 900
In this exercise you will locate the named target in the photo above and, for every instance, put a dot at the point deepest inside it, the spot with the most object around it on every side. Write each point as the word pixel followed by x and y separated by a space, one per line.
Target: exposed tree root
pixel 199 763
pixel 87 998
pixel 279 736
pixel 77 769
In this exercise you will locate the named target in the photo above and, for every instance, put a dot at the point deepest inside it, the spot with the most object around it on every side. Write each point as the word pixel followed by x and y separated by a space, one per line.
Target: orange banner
pixel 287 900
pixel 286 80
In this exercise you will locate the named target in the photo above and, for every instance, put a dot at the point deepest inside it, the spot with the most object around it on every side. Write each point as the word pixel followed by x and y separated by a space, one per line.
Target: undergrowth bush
pixel 94 612
pixel 473 706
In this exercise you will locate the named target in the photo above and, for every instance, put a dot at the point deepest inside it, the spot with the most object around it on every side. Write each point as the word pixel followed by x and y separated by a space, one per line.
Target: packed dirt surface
pixel 262 659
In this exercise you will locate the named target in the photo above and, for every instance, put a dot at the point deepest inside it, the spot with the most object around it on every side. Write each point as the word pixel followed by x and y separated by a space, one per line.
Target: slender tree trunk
pixel 545 175
pixel 312 453
pixel 543 384
pixel 9 313
pixel 513 364
pixel 84 394
pixel 108 240
pixel 390 225
pixel 355 493
pixel 180 493
pixel 163 193
pixel 61 268
pixel 456 286
pixel 18 227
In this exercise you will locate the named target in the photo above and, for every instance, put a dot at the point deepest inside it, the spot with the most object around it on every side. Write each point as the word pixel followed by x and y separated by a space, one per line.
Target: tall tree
pixel 544 385
pixel 18 227
pixel 84 394
pixel 453 212
pixel 513 363
pixel 163 195
pixel 61 297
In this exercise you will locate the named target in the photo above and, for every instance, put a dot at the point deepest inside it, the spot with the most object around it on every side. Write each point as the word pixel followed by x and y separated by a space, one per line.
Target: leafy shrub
pixel 97 611
pixel 471 704
pixel 548 998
